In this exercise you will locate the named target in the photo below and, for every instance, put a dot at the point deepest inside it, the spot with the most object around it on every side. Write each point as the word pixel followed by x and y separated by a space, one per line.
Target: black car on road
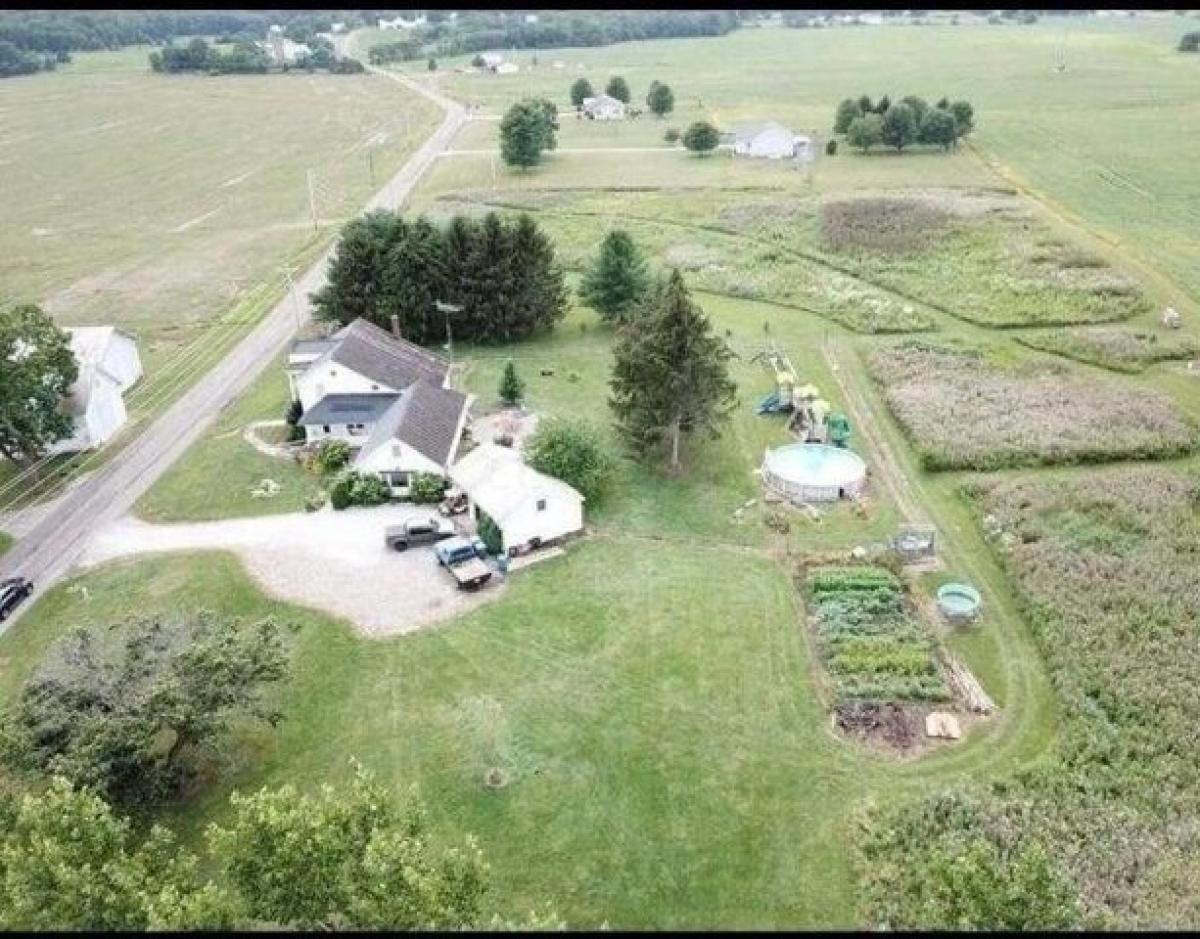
pixel 12 592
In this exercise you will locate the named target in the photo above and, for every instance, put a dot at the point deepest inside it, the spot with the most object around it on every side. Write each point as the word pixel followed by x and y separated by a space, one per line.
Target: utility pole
pixel 287 273
pixel 447 309
pixel 371 164
pixel 312 200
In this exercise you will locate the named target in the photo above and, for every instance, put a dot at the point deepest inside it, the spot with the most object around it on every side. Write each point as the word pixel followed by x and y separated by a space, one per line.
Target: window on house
pixel 397 480
pixel 541 505
pixel 355 430
pixel 396 450
pixel 324 428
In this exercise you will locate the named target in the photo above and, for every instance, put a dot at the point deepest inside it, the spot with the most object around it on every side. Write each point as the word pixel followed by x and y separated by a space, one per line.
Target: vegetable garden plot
pixel 1119 348
pixel 871 643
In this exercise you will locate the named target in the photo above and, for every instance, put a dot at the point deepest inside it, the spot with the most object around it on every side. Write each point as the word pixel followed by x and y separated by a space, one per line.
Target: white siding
pixel 314 433
pixel 121 360
pixel 330 378
pixel 774 144
pixel 562 516
pixel 397 457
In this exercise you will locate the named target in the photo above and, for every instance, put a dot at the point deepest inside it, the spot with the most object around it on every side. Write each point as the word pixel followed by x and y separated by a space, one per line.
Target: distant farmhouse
pixel 604 108
pixel 384 396
pixel 770 140
pixel 401 23
pixel 109 366
pixel 281 49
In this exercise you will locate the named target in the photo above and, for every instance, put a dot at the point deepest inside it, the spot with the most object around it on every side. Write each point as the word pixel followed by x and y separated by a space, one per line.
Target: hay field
pixel 152 201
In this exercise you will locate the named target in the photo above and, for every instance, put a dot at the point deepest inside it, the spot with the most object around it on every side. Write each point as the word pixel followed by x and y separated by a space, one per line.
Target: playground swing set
pixel 811 418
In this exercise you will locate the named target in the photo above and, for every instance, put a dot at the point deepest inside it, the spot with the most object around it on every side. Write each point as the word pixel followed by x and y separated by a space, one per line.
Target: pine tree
pixel 537 279
pixel 580 89
pixel 355 284
pixel 512 387
pixel 618 280
pixel 618 88
pixel 669 375
pixel 413 283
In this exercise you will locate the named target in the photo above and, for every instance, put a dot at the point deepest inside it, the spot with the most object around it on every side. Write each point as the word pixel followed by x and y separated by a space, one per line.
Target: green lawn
pixel 215 477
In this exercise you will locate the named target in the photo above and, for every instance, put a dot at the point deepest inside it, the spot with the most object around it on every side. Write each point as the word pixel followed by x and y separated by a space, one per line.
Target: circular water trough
pixel 814 472
pixel 958 602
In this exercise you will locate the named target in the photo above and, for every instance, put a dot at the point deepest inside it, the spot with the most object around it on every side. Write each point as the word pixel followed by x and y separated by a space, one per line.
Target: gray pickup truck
pixel 417 531
pixel 463 558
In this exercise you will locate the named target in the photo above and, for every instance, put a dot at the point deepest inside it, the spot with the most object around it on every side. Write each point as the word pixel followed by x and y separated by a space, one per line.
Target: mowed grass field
pixel 154 202
pixel 652 696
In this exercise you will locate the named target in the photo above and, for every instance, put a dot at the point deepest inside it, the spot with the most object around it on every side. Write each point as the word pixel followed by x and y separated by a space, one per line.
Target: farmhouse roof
pixel 427 417
pixel 750 131
pixel 378 355
pixel 601 101
pixel 348 409
pixel 312 346
pixel 499 481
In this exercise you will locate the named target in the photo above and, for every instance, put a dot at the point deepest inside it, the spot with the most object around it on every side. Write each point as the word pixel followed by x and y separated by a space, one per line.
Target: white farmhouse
pixel 506 68
pixel 604 108
pixel 109 366
pixel 770 140
pixel 385 397
pixel 491 59
pixel 530 508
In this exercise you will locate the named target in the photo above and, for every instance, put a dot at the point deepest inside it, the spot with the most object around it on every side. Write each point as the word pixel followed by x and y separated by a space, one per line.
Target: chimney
pixel 396 326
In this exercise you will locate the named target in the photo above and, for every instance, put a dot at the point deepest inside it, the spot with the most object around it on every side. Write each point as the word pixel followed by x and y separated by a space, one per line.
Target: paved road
pixel 49 549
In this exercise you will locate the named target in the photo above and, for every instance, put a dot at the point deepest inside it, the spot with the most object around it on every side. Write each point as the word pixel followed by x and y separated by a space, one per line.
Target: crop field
pixel 874 648
pixel 1118 348
pixel 964 410
pixel 154 202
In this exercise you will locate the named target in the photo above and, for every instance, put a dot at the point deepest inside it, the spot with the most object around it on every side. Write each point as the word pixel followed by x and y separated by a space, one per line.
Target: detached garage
pixel 530 508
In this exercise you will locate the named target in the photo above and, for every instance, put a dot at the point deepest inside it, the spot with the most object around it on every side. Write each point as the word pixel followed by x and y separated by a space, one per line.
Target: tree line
pixel 246 57
pixel 66 31
pixel 904 123
pixel 502 276
pixel 15 61
pixel 1190 42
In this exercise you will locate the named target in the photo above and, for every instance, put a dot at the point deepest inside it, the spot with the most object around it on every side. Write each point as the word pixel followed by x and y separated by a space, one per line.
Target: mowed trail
pixel 52 546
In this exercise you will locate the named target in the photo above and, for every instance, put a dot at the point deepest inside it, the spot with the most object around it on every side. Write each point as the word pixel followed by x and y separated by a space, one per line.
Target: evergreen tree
pixel 413 282
pixel 618 280
pixel 618 88
pixel 355 284
pixel 884 103
pixel 537 279
pixel 512 387
pixel 865 105
pixel 580 89
pixel 669 374
pixel 919 107
pixel 660 99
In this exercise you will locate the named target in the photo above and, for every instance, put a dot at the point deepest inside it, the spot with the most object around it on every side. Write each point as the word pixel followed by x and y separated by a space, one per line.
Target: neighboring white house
pixel 281 49
pixel 529 508
pixel 337 28
pixel 109 366
pixel 604 108
pixel 384 396
pixel 506 68
pixel 491 59
pixel 770 140
pixel 401 23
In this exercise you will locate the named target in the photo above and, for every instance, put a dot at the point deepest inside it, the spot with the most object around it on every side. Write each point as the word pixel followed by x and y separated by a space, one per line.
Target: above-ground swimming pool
pixel 958 601
pixel 814 472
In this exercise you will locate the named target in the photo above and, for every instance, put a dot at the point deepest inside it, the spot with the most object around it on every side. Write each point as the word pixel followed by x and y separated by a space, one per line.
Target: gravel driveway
pixel 333 561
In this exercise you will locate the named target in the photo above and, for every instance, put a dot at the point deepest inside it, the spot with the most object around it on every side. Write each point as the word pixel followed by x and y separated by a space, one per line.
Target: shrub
pixel 831 147
pixel 295 432
pixel 426 488
pixel 574 452
pixel 512 387
pixel 489 533
pixel 331 456
pixel 671 136
pixel 353 488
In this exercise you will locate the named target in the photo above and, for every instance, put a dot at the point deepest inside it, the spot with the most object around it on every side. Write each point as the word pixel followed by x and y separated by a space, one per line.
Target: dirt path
pixel 333 561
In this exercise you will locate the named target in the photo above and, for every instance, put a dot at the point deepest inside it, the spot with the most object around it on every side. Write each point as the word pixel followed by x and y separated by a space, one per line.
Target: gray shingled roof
pixel 312 346
pixel 378 355
pixel 348 409
pixel 427 418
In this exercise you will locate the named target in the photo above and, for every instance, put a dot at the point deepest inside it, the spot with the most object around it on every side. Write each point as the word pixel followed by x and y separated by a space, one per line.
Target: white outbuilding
pixel 770 140
pixel 109 366
pixel 530 508
pixel 604 108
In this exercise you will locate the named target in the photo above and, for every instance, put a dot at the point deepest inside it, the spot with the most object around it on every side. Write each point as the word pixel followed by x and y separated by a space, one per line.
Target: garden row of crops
pixel 872 645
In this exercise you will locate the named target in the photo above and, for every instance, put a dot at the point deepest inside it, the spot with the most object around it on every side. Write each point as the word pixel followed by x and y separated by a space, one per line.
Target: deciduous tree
pixel 865 132
pixel 618 280
pixel 581 88
pixel 701 138
pixel 899 127
pixel 964 117
pixel 527 129
pixel 670 375
pixel 350 859
pixel 574 452
pixel 125 709
pixel 618 88
pixel 37 369
pixel 938 128
pixel 847 111
pixel 660 99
